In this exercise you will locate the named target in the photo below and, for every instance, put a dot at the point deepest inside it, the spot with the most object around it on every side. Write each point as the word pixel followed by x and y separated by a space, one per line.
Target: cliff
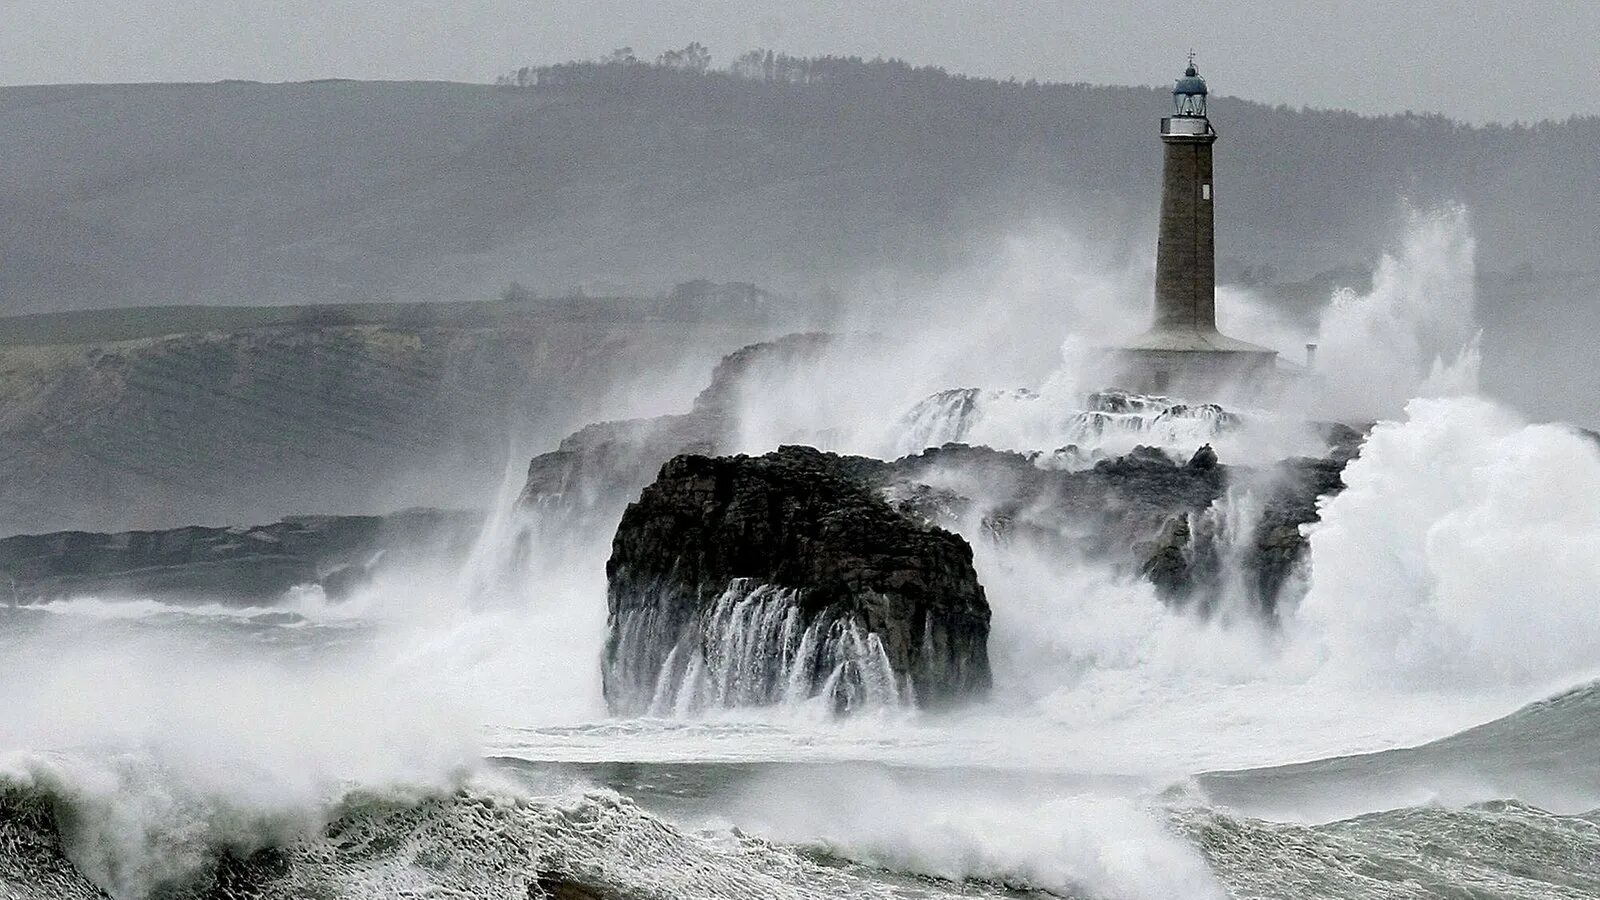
pixel 244 565
pixel 107 427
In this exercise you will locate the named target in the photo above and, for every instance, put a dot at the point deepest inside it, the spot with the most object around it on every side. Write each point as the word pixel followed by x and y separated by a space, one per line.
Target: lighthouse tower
pixel 1183 352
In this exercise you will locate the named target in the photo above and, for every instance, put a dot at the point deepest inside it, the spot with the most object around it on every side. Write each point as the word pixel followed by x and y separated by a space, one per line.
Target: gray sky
pixel 1472 59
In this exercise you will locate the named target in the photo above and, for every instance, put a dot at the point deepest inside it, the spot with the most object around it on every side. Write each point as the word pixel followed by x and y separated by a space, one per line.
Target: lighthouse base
pixel 1196 364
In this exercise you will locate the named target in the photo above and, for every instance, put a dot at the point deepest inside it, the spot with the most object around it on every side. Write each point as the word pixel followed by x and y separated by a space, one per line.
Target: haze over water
pixel 707 475
pixel 1448 586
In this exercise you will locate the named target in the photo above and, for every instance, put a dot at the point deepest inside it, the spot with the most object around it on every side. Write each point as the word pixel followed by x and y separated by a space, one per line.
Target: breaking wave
pixel 491 838
pixel 75 826
pixel 1451 581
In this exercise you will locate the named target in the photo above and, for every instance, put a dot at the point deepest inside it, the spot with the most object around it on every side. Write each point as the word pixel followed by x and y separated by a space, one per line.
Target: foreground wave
pixel 599 845
pixel 96 824
pixel 483 843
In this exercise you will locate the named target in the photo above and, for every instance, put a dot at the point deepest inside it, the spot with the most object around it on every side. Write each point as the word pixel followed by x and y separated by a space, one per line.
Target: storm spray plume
pixel 1414 334
pixel 888 501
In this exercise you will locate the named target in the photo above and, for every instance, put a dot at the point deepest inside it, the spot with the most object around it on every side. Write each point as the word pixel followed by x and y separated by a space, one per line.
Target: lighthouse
pixel 1183 352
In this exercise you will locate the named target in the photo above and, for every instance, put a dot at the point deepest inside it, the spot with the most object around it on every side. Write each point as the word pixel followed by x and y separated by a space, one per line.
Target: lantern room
pixel 1189 94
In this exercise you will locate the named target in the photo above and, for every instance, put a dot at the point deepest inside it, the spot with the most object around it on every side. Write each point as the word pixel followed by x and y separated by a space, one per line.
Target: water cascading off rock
pixel 784 578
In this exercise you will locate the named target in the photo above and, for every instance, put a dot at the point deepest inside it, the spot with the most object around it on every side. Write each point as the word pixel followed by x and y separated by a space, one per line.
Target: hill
pixel 641 176
pixel 223 299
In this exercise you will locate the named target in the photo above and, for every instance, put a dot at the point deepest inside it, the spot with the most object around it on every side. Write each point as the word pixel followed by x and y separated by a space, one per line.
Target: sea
pixel 1420 718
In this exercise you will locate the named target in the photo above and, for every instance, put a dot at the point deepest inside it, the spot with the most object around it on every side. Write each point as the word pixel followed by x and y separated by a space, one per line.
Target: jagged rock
pixel 1165 561
pixel 1146 512
pixel 605 465
pixel 1142 511
pixel 1185 559
pixel 1279 541
pixel 1343 441
pixel 225 565
pixel 753 580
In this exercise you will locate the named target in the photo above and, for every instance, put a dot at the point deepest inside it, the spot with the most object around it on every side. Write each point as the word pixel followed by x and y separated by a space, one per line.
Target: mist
pixel 708 476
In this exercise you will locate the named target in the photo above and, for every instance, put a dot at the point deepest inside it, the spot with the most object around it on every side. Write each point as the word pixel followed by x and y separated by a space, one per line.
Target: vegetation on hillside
pixel 788 172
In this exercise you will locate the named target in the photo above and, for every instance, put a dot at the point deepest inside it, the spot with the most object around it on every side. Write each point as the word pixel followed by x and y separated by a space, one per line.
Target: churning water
pixel 1419 721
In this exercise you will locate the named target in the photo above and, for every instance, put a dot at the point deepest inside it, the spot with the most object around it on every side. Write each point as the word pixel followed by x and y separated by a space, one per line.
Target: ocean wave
pixel 488 839
pixel 300 607
pixel 1546 753
pixel 1504 850
pixel 481 840
pixel 103 609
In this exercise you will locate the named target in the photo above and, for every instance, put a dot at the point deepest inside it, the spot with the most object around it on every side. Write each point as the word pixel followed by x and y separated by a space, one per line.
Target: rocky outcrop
pixel 1246 544
pixel 255 565
pixel 602 467
pixel 1198 528
pixel 757 580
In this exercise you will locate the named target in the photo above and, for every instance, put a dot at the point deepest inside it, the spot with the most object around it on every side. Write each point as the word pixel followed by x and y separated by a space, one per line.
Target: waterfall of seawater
pixel 1070 432
pixel 1060 620
pixel 754 646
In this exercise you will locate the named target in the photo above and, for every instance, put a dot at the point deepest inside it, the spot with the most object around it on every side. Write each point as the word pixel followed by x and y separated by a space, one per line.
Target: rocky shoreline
pixel 723 564
pixel 240 565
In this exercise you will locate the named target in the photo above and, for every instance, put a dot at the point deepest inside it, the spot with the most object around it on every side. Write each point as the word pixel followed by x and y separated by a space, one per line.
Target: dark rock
pixel 1292 496
pixel 1161 521
pixel 1147 513
pixel 1344 441
pixel 225 565
pixel 1188 560
pixel 835 565
pixel 1165 561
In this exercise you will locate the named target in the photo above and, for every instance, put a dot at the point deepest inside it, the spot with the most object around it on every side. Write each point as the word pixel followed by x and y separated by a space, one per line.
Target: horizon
pixel 1373 60
pixel 717 68
pixel 546 449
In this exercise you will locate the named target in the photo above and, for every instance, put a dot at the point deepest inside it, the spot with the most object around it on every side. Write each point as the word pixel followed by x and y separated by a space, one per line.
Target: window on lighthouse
pixel 1205 192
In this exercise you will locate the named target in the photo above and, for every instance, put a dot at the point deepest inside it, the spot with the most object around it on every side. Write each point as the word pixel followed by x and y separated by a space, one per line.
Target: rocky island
pixel 752 580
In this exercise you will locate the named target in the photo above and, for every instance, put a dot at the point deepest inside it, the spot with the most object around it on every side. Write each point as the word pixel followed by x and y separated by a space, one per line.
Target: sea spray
pixel 1079 429
pixel 1465 551
pixel 170 745
pixel 509 835
pixel 1413 334
pixel 1019 831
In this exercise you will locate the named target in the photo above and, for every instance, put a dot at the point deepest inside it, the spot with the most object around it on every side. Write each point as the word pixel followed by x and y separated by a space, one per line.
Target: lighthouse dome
pixel 1189 94
pixel 1190 83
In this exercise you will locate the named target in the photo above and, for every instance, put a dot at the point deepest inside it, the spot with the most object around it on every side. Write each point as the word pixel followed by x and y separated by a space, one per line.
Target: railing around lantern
pixel 1188 126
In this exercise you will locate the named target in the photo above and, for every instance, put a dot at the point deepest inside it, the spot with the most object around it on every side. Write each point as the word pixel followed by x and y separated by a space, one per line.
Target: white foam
pixel 1465 553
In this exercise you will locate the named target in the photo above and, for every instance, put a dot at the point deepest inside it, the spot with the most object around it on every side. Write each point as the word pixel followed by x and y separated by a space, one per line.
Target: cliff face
pixel 603 466
pixel 257 423
pixel 245 565
pixel 740 580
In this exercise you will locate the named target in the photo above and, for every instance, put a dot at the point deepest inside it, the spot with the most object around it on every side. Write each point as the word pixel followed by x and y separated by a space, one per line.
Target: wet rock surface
pixel 864 583
pixel 1195 526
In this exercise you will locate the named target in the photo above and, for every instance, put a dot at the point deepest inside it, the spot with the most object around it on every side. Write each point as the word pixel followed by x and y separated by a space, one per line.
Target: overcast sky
pixel 1472 59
